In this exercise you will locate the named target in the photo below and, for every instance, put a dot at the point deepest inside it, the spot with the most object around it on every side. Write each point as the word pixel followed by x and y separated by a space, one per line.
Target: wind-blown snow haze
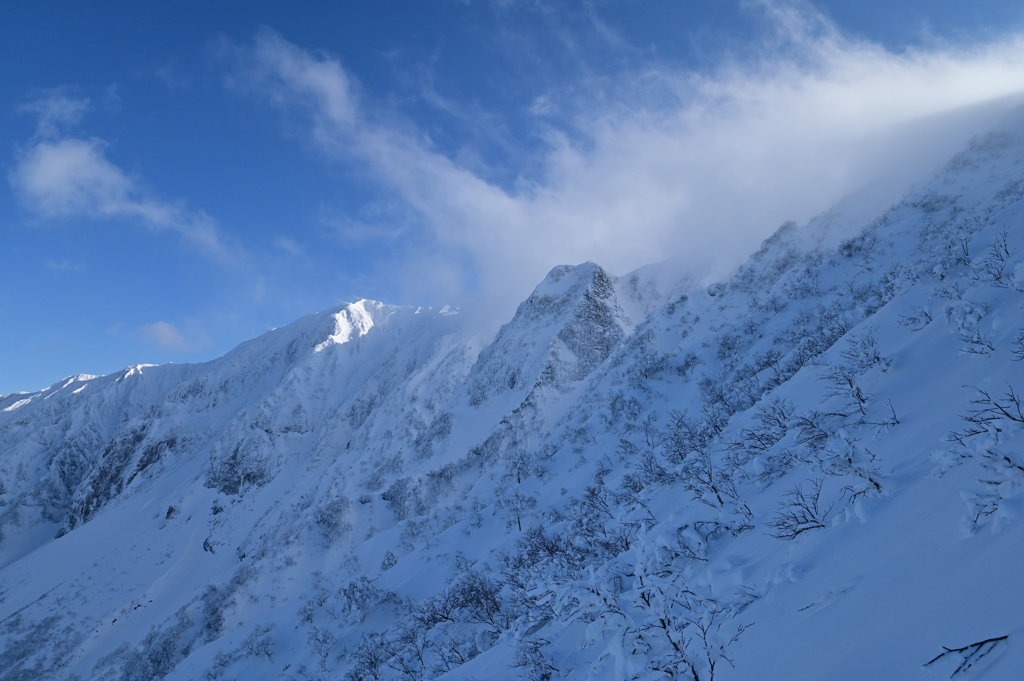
pixel 239 167
pixel 658 163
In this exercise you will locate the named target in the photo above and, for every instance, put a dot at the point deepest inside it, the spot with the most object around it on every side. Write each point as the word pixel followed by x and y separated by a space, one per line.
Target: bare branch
pixel 971 654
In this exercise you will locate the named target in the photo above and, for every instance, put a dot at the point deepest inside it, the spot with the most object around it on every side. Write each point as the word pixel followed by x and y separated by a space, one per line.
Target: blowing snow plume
pixel 659 162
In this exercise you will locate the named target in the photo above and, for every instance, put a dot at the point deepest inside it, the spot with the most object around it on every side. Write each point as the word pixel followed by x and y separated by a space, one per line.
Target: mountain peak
pixel 559 335
pixel 351 321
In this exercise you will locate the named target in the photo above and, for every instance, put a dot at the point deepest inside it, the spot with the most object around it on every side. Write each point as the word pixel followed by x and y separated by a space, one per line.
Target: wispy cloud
pixel 664 162
pixel 289 246
pixel 57 110
pixel 64 266
pixel 172 78
pixel 61 175
pixel 170 337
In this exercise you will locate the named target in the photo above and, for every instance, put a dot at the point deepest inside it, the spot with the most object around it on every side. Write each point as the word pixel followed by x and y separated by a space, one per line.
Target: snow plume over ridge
pixel 660 161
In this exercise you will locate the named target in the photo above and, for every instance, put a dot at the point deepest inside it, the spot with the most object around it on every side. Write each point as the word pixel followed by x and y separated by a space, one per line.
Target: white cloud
pixel 170 337
pixel 59 175
pixel 665 163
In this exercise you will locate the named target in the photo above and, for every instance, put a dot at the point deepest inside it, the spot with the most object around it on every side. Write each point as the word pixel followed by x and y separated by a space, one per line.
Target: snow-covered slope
pixel 809 471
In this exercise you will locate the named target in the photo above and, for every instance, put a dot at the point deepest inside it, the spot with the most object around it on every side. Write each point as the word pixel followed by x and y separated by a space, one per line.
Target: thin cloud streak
pixel 666 164
pixel 64 267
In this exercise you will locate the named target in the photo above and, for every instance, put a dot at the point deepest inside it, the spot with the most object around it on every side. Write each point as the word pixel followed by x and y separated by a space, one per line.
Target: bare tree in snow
pixel 800 511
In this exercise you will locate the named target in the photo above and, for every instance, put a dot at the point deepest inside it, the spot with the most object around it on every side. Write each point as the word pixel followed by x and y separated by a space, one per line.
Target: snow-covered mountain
pixel 809 471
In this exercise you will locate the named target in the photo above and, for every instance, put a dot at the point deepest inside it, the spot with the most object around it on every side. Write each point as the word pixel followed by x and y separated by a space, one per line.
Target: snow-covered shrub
pixel 991 268
pixel 623 408
pixel 478 599
pixel 358 597
pixel 894 281
pixel 246 466
pixel 675 630
pixel 803 281
pixel 369 659
pixel 728 345
pixel 843 383
pixel 859 246
pixel 684 435
pixel 773 419
pixel 976 343
pixel 540 553
pixel 258 643
pixel 404 499
pixel 862 352
pixel 330 519
pixel 321 642
pixel 389 561
pixel 532 660
pixel 521 464
pixel 592 524
pixel 1004 480
pixel 516 506
pixel 961 313
pixel 159 651
pixel 814 428
pixel 990 416
pixel 438 430
pixel 23 655
pixel 214 601
pixel 916 318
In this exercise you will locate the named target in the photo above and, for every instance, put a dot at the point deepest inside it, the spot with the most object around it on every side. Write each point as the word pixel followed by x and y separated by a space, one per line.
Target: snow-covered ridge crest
pixel 616 484
pixel 353 321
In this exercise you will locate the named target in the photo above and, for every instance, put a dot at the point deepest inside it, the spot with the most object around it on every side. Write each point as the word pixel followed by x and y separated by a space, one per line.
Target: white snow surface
pixel 810 471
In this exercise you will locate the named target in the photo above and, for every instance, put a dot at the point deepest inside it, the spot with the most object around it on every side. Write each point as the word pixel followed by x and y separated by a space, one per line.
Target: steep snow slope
pixel 771 477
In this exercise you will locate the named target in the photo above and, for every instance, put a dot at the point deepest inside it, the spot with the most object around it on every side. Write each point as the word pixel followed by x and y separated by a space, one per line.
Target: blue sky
pixel 179 177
